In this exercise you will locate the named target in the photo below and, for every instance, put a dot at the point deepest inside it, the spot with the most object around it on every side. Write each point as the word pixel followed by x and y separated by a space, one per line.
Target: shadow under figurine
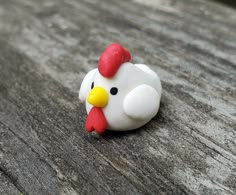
pixel 119 95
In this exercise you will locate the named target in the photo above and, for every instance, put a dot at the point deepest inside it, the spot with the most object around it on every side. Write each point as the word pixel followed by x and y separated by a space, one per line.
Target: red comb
pixel 111 59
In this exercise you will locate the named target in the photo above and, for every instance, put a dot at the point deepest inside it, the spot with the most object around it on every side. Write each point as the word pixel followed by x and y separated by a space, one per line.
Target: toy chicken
pixel 119 95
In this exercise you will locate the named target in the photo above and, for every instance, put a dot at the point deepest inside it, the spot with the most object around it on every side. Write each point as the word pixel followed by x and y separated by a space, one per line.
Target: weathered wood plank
pixel 6 186
pixel 46 49
pixel 23 167
pixel 56 136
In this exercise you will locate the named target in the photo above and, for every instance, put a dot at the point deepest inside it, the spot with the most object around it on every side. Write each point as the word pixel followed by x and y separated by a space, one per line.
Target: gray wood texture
pixel 46 48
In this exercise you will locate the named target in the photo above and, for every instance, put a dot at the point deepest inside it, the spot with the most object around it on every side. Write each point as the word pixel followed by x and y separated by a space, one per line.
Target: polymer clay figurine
pixel 119 95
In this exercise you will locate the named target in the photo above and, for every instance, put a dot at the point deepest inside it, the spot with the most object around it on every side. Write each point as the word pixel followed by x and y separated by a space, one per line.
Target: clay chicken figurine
pixel 119 95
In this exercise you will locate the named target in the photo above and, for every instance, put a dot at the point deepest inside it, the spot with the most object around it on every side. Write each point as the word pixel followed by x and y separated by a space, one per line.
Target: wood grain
pixel 46 48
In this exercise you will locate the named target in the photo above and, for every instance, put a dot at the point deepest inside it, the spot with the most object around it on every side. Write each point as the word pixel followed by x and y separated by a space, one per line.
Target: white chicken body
pixel 137 100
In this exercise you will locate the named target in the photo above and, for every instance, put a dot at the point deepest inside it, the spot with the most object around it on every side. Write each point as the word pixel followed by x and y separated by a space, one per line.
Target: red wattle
pixel 96 121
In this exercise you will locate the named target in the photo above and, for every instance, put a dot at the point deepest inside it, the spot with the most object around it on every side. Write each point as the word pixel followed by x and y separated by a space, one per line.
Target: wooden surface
pixel 46 48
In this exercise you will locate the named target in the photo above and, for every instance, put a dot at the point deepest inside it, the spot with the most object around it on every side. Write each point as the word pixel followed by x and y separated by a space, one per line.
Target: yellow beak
pixel 98 97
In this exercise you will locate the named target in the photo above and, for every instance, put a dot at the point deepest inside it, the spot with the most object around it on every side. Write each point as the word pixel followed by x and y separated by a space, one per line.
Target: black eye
pixel 92 86
pixel 114 91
